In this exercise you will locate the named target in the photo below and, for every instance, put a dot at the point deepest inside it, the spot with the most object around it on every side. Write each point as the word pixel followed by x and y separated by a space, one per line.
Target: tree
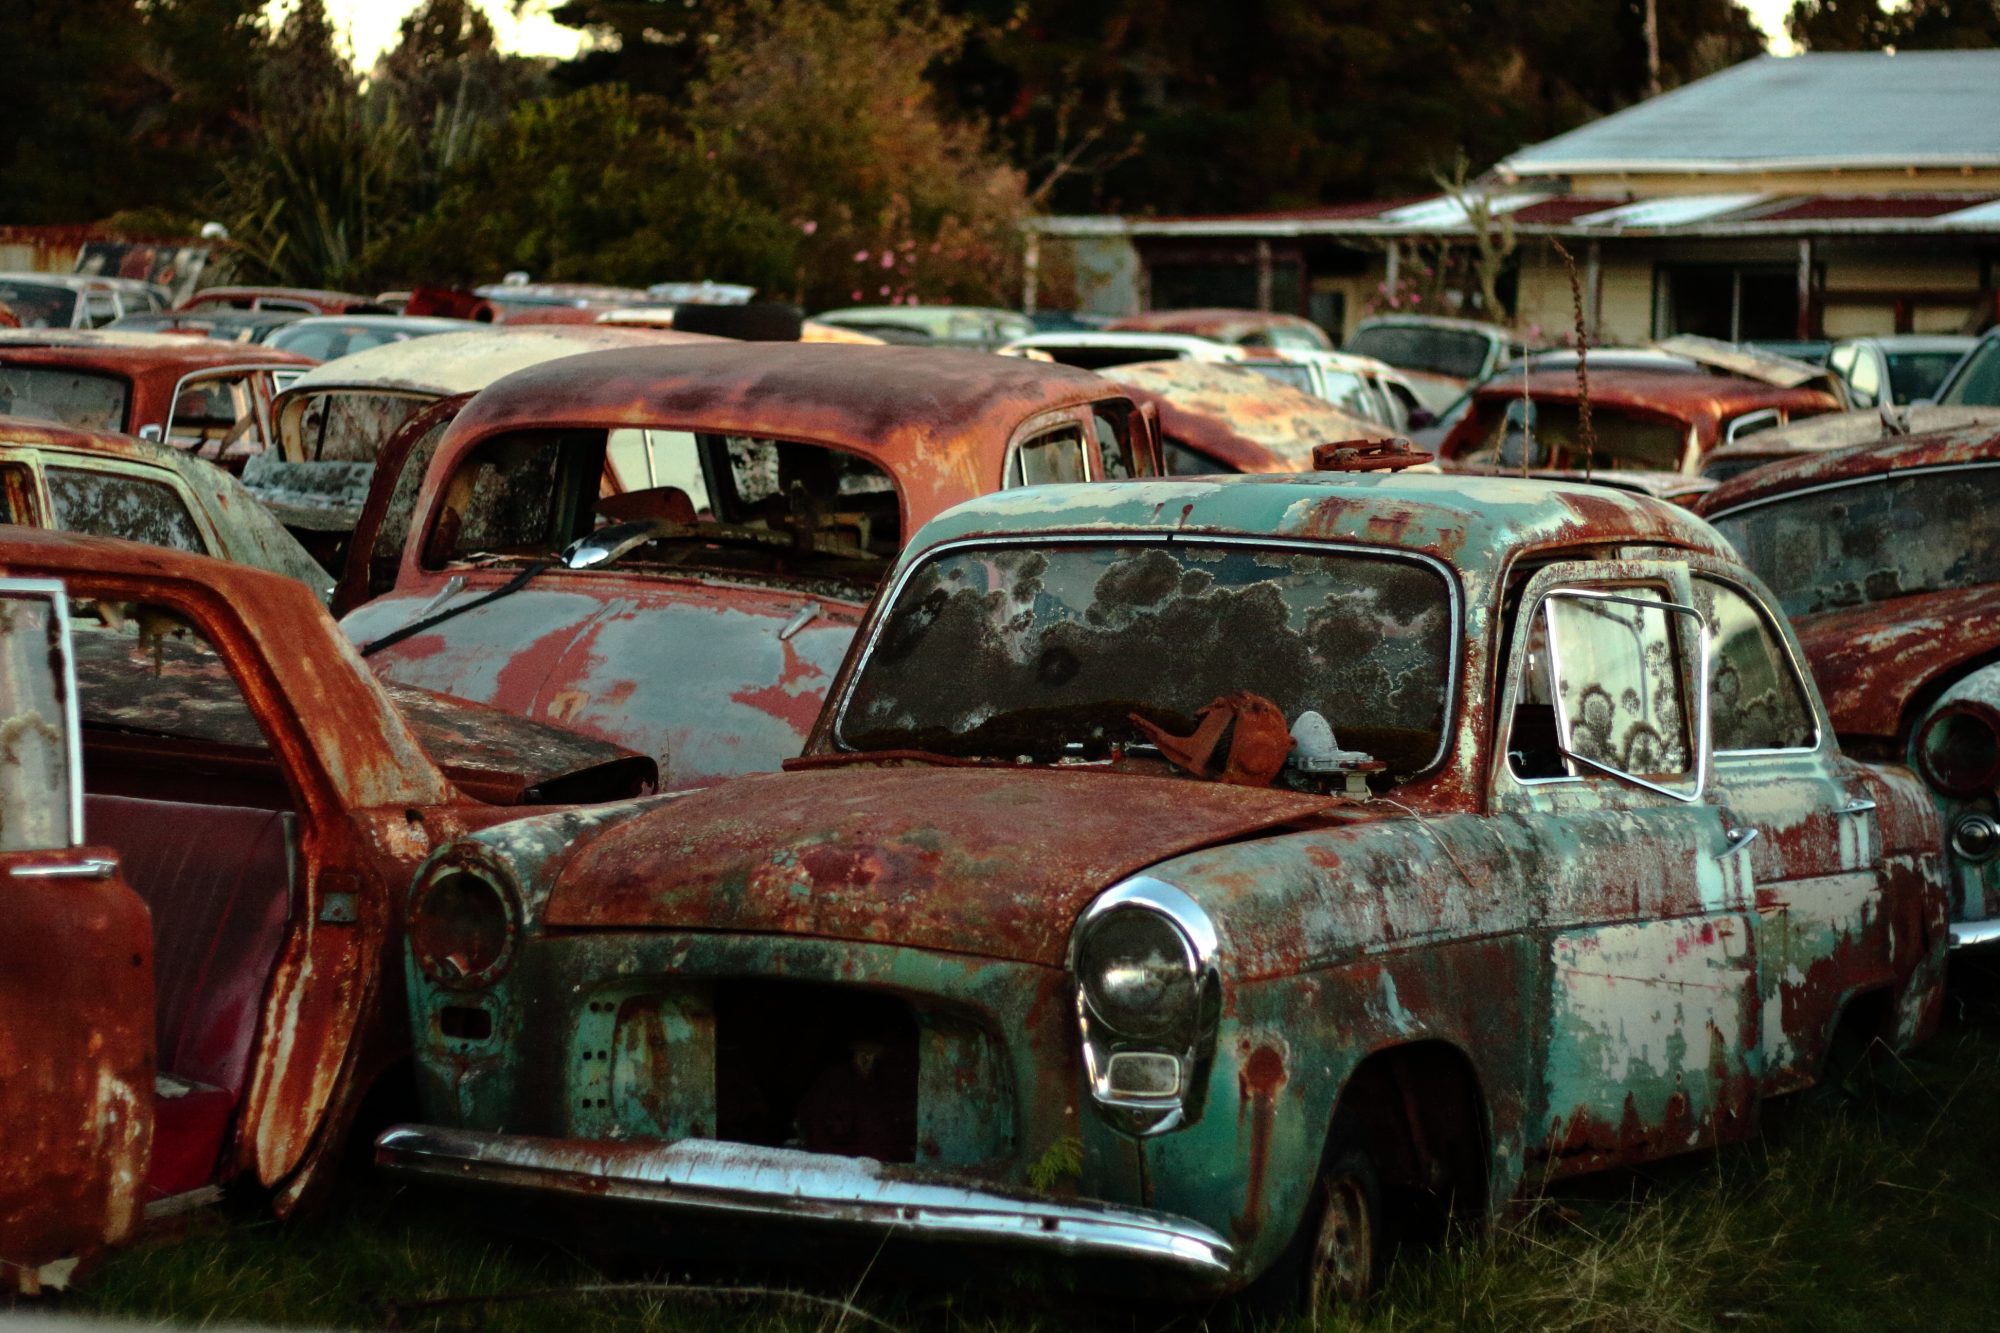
pixel 651 46
pixel 602 185
pixel 74 90
pixel 449 85
pixel 825 116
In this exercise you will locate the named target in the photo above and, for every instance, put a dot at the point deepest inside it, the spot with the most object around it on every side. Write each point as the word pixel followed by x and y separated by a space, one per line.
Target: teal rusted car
pixel 1214 878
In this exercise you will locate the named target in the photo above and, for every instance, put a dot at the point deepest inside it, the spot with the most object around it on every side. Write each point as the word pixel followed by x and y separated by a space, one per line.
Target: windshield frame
pixel 892 592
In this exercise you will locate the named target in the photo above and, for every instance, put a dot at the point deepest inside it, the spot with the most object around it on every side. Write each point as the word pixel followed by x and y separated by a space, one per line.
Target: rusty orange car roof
pixel 1699 399
pixel 326 302
pixel 939 420
pixel 1939 448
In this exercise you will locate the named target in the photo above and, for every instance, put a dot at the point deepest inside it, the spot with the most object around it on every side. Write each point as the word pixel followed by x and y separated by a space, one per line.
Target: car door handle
pixel 95 867
pixel 1859 805
pixel 1739 838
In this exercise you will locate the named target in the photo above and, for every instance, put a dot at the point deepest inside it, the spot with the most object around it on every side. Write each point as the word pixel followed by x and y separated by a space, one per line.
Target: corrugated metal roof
pixel 1827 109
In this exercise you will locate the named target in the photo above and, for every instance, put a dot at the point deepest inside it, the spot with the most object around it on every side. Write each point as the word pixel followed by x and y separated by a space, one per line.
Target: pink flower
pixel 885 291
pixel 860 256
pixel 854 295
pixel 888 259
pixel 809 227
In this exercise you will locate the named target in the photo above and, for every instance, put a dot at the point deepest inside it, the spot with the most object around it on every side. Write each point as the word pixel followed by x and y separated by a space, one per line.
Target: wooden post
pixel 1263 273
pixel 1805 322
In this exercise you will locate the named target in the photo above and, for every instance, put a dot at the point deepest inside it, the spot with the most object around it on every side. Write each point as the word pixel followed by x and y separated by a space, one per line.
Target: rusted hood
pixel 991 862
pixel 1870 661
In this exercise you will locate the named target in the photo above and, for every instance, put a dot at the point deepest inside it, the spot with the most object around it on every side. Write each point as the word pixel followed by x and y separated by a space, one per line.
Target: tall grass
pixel 1878 1211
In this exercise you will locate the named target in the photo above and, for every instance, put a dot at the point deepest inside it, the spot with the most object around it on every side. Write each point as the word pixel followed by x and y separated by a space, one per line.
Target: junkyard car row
pixel 877 791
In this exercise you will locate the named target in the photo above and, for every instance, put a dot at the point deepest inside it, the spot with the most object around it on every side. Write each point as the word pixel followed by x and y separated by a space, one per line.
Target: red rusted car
pixel 1662 417
pixel 1243 328
pixel 670 547
pixel 1216 417
pixel 305 300
pixel 211 744
pixel 1887 559
pixel 201 395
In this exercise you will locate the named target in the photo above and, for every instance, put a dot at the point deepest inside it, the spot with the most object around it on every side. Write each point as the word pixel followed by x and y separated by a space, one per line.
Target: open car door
pixel 76 975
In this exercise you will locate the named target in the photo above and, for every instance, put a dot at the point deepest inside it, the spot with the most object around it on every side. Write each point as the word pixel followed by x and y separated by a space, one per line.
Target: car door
pixel 1647 1020
pixel 1809 823
pixel 76 975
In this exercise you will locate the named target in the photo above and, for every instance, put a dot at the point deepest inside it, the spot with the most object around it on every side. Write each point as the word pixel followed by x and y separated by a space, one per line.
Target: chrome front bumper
pixel 701 1176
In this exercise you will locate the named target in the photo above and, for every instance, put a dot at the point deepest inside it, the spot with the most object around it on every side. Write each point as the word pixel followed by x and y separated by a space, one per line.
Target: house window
pixel 1734 302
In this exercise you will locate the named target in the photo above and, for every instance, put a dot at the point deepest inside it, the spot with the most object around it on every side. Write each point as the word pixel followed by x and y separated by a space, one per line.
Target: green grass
pixel 1882 1211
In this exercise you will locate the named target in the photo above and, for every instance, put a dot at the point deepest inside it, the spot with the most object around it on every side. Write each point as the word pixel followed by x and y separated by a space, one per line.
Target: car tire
pixel 1341 1249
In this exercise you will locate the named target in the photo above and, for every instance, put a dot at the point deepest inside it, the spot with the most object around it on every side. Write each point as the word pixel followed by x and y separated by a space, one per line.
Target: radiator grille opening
pixel 824 1068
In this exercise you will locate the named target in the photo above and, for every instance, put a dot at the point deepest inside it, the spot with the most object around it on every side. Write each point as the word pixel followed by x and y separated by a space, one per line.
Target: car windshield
pixel 1977 383
pixel 1454 352
pixel 1873 540
pixel 1914 375
pixel 1009 651
pixel 349 425
pixel 1549 434
pixel 68 397
pixel 38 305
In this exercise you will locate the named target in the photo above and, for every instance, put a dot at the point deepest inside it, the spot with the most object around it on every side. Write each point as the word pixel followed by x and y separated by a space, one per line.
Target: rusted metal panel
pixel 1237 417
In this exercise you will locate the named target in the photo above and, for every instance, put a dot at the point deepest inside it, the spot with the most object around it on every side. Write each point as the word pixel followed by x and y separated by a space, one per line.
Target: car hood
pixel 984 861
pixel 504 759
pixel 1871 661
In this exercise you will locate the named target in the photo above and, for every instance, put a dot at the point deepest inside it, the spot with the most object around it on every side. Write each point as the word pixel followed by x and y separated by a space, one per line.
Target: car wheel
pixel 1349 1245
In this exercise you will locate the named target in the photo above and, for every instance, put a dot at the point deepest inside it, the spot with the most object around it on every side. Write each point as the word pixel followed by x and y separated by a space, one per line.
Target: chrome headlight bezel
pixel 1173 1056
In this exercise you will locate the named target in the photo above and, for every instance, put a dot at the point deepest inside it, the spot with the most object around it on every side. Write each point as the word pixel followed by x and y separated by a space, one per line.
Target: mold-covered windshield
pixel 1042 651
pixel 1874 540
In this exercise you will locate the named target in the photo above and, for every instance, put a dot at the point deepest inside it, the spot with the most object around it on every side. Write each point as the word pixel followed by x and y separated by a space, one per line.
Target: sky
pixel 371 26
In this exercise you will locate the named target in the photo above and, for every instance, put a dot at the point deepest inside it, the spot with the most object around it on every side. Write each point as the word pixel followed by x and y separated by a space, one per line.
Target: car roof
pixel 464 362
pixel 1218 318
pixel 1442 514
pixel 1439 322
pixel 1186 342
pixel 441 323
pixel 1665 391
pixel 1250 421
pixel 1972 443
pixel 135 352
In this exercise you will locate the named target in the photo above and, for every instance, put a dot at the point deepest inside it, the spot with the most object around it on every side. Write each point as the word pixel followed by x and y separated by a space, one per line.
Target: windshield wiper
pixel 423 623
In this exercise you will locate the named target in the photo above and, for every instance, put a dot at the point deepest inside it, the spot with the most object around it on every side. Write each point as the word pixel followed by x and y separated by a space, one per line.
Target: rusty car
pixel 1666 416
pixel 215 745
pixel 1440 355
pixel 1837 430
pixel 670 547
pixel 208 397
pixel 302 300
pixel 1220 417
pixel 336 419
pixel 1224 878
pixel 110 485
pixel 1887 559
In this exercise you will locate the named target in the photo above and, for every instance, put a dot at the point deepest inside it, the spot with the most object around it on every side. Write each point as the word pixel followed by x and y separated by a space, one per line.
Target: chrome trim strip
pixel 703 1176
pixel 1454 599
pixel 1969 934
pixel 90 868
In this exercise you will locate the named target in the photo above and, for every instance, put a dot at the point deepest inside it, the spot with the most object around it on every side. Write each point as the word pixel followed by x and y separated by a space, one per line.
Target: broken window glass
pixel 351 427
pixel 1007 651
pixel 66 397
pixel 1755 699
pixel 112 504
pixel 1615 678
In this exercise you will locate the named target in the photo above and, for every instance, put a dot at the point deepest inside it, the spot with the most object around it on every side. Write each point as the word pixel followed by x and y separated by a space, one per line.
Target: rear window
pixel 1545 434
pixel 1454 352
pixel 76 398
pixel 39 306
pixel 350 427
pixel 112 504
pixel 1977 384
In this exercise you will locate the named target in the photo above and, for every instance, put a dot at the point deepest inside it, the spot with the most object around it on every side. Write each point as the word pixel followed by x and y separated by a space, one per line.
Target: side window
pixel 504 500
pixel 111 504
pixel 17 495
pixel 1604 691
pixel 37 776
pixel 1866 378
pixel 1756 701
pixel 207 410
pixel 1114 449
pixel 1051 457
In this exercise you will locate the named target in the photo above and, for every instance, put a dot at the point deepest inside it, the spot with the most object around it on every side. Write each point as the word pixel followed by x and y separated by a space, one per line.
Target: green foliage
pixel 1865 25
pixel 601 185
pixel 1058 1167
pixel 1880 1213
pixel 825 116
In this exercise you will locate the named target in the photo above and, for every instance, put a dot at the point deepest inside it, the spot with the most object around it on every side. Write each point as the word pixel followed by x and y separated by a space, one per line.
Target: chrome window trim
pixel 1047 423
pixel 892 593
pixel 1703 669
pixel 1872 479
pixel 58 598
pixel 1799 676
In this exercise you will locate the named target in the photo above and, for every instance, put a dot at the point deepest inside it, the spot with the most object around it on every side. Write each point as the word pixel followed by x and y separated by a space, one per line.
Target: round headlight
pixel 462 928
pixel 1959 749
pixel 1138 973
